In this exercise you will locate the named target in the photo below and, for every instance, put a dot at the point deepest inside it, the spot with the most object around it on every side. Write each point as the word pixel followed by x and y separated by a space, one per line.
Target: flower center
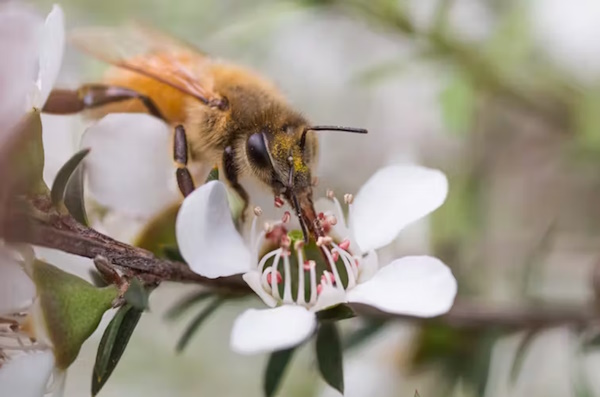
pixel 13 337
pixel 296 273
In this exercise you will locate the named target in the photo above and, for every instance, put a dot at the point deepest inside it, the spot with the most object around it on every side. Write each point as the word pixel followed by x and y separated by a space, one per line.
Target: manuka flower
pixel 296 280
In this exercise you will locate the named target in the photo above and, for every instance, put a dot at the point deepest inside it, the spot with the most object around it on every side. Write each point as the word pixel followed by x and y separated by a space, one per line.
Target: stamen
pixel 274 274
pixel 301 266
pixel 348 198
pixel 270 278
pixel 268 227
pixel 286 217
pixel 258 211
pixel 313 283
pixel 351 271
pixel 324 240
pixel 333 268
pixel 330 195
pixel 287 287
pixel 265 258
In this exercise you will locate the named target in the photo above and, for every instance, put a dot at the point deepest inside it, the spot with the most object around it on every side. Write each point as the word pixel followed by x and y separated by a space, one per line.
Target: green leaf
pixel 73 198
pixel 520 355
pixel 336 313
pixel 363 334
pixel 159 233
pixel 113 344
pixel 587 121
pixel 72 308
pixel 136 295
pixel 187 303
pixel 458 102
pixel 28 156
pixel 278 362
pixel 64 174
pixel 329 356
pixel 196 323
pixel 171 252
pixel 213 175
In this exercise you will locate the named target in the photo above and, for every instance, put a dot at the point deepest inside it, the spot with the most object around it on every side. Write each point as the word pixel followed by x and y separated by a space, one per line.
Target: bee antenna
pixel 330 128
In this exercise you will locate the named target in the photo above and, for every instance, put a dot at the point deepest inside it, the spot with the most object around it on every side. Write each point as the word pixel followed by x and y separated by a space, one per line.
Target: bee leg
pixel 231 172
pixel 180 155
pixel 90 96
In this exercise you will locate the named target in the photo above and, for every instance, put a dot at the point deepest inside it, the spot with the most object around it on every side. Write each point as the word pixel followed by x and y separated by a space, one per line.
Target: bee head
pixel 283 157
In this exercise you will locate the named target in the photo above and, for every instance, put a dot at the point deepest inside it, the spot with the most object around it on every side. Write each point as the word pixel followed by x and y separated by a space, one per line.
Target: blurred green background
pixel 503 95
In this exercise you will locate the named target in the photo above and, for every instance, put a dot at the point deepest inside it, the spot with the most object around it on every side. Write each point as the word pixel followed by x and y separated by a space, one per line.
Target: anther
pixel 348 198
pixel 278 202
pixel 319 289
pixel 345 244
pixel 329 193
pixel 324 240
pixel 309 265
pixel 268 227
pixel 327 277
pixel 270 278
pixel 335 256
pixel 286 217
pixel 258 211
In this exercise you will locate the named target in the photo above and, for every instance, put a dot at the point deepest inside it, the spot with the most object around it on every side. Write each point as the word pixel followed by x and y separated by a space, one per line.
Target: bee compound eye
pixel 257 150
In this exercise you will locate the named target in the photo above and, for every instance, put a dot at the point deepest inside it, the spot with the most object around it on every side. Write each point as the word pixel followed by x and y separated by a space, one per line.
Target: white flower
pixel 130 167
pixel 29 48
pixel 333 273
pixel 27 361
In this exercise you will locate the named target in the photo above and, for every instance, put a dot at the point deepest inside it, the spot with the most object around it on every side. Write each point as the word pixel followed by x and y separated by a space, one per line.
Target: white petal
pixel 130 167
pixel 19 44
pixel 51 53
pixel 206 236
pixel 391 199
pixel 267 330
pixel 17 291
pixel 329 296
pixel 27 374
pixel 253 279
pixel 415 285
pixel 369 266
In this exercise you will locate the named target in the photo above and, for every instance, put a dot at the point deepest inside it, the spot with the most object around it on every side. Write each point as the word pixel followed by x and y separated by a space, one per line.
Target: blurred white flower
pixel 27 360
pixel 130 167
pixel 32 55
pixel 285 278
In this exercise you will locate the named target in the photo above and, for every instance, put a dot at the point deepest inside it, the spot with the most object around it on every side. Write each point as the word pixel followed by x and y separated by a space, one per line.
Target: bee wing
pixel 144 50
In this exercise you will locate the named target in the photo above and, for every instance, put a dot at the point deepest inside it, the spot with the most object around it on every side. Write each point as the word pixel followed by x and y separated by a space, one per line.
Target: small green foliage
pixel 136 295
pixel 278 363
pixel 197 322
pixel 363 334
pixel 72 309
pixel 28 156
pixel 336 313
pixel 458 101
pixel 461 353
pixel 187 303
pixel 64 174
pixel 521 353
pixel 159 233
pixel 67 189
pixel 113 344
pixel 329 355
pixel 213 175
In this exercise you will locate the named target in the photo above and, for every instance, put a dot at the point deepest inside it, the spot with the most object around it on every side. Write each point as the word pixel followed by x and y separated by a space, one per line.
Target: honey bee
pixel 221 113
